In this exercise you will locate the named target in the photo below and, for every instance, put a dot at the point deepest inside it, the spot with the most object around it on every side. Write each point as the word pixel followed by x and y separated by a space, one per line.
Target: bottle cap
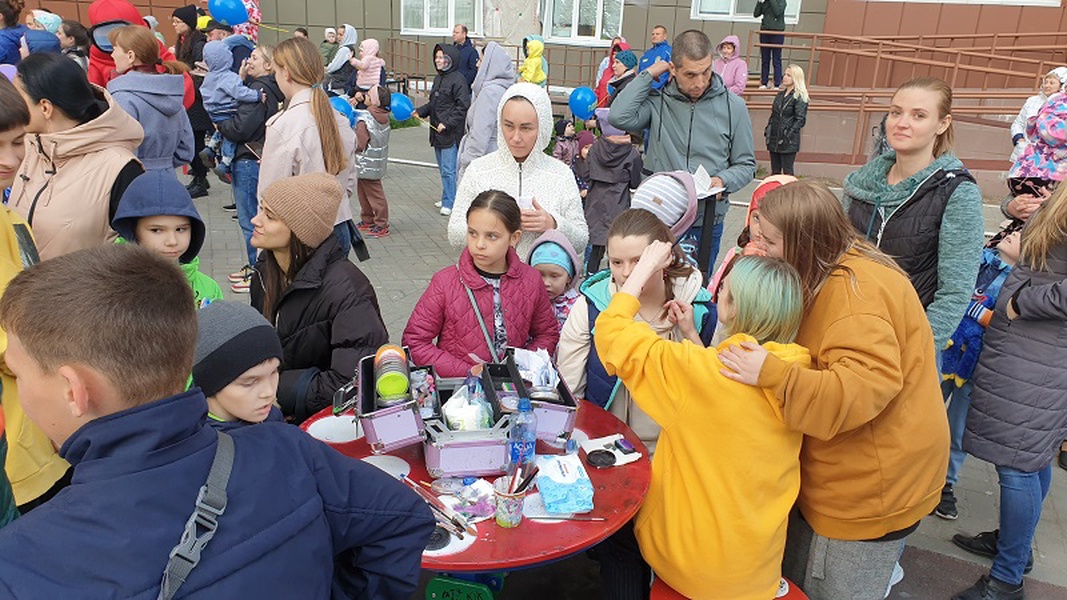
pixel 468 480
pixel 524 405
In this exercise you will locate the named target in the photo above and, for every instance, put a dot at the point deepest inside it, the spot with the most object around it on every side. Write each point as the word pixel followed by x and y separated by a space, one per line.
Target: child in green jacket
pixel 157 212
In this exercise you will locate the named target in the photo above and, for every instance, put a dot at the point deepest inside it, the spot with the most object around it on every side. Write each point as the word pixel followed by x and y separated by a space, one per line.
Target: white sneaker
pixel 895 578
pixel 762 87
pixel 446 211
pixel 437 204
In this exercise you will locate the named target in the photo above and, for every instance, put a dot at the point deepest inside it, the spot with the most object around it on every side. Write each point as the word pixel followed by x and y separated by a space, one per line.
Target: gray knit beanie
pixel 232 339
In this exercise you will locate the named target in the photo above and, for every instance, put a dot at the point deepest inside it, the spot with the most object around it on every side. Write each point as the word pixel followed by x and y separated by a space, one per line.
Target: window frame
pixel 696 15
pixel 473 30
pixel 575 40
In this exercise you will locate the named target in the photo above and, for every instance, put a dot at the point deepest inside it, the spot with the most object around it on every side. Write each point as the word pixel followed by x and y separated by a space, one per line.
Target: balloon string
pixel 278 29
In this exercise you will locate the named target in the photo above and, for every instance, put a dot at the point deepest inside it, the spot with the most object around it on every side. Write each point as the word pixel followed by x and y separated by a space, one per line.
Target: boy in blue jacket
pixel 157 213
pixel 960 357
pixel 102 342
pixel 236 365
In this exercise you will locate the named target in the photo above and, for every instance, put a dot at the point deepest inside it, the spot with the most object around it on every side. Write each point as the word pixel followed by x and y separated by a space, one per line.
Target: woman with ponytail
pixel 309 136
pixel 79 156
pixel 151 91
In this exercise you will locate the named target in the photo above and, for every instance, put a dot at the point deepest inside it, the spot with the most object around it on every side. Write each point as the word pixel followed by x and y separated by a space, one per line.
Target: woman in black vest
pixel 918 204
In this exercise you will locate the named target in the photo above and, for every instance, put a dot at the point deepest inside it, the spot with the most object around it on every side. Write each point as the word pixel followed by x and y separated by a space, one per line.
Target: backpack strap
pixel 202 524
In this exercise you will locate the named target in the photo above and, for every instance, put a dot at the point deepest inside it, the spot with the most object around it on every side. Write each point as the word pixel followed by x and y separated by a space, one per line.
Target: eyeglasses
pixel 99 34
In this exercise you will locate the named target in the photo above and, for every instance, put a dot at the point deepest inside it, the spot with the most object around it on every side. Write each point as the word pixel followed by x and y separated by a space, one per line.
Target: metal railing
pixel 968 106
pixel 878 60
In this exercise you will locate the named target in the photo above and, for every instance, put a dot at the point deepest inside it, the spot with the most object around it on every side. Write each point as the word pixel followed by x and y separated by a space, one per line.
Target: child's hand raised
pixel 681 314
pixel 656 257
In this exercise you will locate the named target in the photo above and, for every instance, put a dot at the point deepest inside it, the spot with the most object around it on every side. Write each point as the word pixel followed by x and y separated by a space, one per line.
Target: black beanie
pixel 232 339
pixel 187 15
pixel 561 127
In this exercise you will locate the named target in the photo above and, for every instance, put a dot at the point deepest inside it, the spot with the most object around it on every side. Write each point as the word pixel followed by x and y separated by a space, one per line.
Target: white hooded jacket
pixel 540 176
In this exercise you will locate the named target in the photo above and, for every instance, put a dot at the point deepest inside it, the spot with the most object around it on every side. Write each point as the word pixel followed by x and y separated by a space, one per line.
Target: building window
pixel 438 17
pixel 583 22
pixel 739 10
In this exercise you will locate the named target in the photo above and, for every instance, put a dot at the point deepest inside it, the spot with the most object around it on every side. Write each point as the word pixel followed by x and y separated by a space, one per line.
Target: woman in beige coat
pixel 79 156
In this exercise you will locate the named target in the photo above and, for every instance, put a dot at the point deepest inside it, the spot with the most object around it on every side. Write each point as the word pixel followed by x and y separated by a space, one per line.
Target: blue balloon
pixel 582 102
pixel 401 106
pixel 228 12
pixel 341 105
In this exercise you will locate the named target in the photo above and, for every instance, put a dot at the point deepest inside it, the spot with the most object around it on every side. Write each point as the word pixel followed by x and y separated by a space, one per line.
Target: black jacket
pixel 788 116
pixel 198 117
pixel 468 61
pixel 612 170
pixel 248 127
pixel 327 320
pixel 449 101
pixel 1018 414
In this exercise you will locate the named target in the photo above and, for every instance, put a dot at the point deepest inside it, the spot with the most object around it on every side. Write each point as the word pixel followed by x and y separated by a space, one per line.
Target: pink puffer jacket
pixel 445 313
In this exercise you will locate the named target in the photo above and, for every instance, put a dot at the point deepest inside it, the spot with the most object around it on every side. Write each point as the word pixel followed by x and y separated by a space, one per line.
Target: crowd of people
pixel 828 342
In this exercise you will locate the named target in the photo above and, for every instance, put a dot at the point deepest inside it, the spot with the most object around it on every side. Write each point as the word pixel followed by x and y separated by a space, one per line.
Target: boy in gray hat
pixel 236 365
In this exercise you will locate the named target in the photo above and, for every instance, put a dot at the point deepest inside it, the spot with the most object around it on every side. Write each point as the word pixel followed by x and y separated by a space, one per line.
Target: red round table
pixel 618 494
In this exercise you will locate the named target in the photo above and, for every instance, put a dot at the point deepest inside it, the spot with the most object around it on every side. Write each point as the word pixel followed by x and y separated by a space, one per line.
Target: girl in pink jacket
pixel 729 64
pixel 486 302
pixel 370 65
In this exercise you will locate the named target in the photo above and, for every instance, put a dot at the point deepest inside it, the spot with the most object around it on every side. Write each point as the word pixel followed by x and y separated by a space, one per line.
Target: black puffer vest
pixel 912 232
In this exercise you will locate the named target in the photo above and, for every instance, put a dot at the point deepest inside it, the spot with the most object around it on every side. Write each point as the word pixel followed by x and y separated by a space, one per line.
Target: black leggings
pixel 782 163
pixel 624 575
pixel 596 255
pixel 196 166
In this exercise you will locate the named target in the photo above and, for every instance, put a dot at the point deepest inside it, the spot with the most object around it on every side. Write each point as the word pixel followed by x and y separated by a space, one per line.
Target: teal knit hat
pixel 627 58
pixel 551 253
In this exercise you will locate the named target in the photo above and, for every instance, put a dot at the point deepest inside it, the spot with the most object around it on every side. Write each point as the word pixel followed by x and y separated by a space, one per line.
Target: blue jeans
pixel 958 406
pixel 344 236
pixel 446 161
pixel 1021 495
pixel 769 55
pixel 245 174
pixel 223 149
pixel 690 245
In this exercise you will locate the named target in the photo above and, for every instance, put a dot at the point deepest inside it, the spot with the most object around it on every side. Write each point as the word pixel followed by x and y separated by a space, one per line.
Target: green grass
pixel 411 122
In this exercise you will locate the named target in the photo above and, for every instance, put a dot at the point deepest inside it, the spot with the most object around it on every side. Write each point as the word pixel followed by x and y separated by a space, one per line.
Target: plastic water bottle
pixel 522 440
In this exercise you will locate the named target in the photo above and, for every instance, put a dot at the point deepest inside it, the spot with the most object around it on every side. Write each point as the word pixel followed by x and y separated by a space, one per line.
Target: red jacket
pixel 102 66
pixel 445 313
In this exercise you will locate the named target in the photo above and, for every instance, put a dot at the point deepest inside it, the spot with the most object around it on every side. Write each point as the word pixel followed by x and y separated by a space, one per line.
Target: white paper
pixel 525 202
pixel 702 182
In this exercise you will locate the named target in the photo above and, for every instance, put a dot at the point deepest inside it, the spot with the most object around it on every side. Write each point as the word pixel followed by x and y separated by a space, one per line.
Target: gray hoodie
pixel 495 76
pixel 715 131
pixel 155 101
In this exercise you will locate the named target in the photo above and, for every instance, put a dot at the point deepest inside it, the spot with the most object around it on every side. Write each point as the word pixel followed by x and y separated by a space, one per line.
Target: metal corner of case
pixel 435 473
pixel 377 448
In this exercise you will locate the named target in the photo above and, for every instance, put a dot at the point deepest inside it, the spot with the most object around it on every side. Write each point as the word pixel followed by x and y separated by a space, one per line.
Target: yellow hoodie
pixel 726 471
pixel 33 465
pixel 877 437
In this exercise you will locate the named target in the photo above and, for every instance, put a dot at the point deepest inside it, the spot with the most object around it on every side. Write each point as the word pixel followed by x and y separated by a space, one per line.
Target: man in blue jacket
pixel 468 54
pixel 692 122
pixel 102 372
pixel 660 50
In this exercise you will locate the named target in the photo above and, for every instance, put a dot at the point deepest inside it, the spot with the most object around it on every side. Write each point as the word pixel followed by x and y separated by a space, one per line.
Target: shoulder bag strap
pixel 202 524
pixel 481 321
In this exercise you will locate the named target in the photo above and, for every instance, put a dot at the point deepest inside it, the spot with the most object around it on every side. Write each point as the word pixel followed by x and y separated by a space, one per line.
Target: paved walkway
pixel 400 269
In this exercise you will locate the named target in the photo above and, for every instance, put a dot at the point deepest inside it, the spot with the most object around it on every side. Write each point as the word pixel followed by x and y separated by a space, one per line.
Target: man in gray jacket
pixel 693 121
